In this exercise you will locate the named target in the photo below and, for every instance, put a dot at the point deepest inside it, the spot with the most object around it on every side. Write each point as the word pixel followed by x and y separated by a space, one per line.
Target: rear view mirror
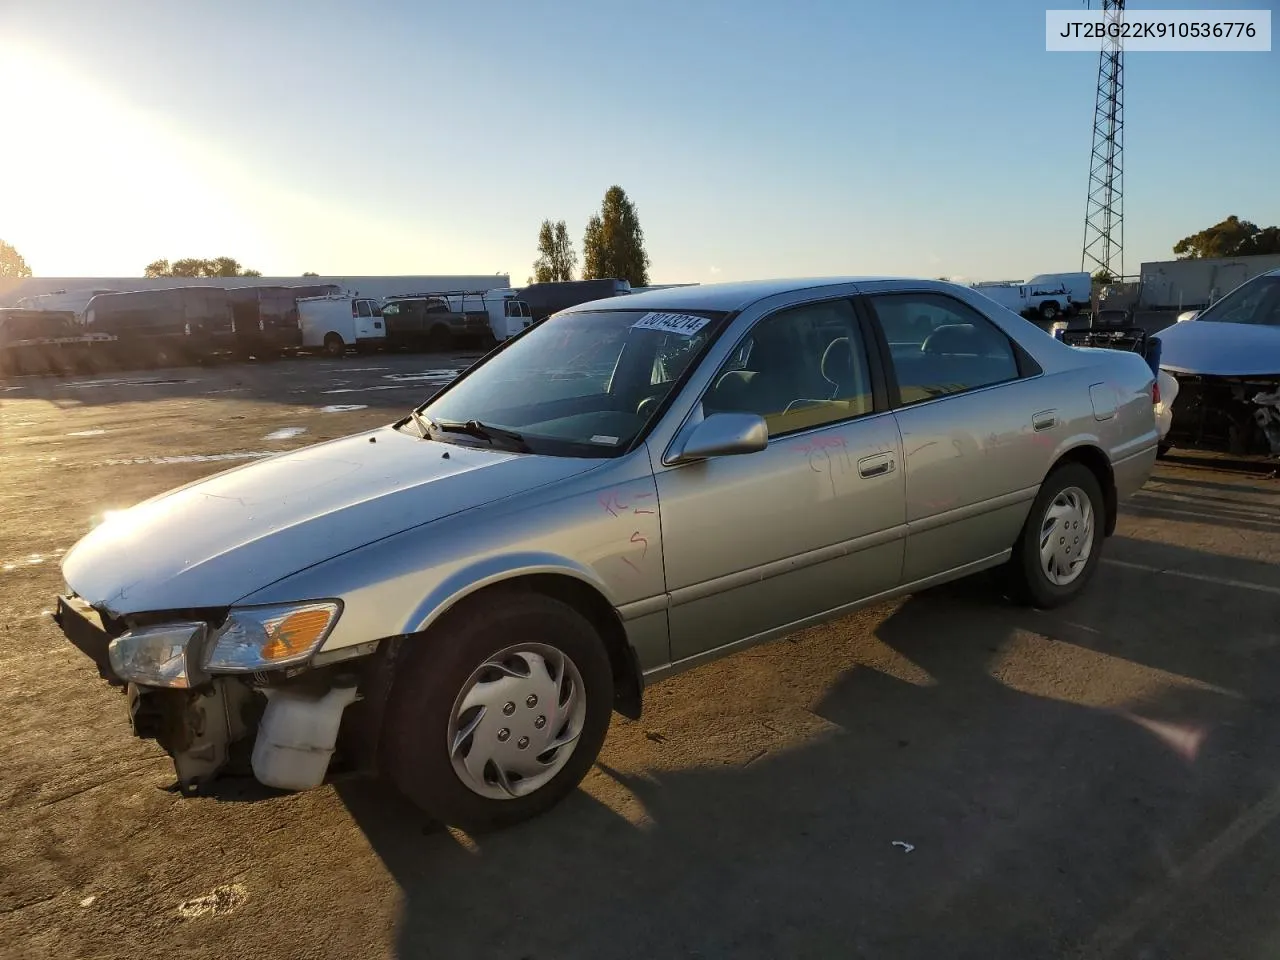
pixel 723 435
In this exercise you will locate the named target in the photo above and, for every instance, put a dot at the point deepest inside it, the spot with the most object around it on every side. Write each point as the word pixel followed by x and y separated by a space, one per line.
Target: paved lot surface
pixel 1103 781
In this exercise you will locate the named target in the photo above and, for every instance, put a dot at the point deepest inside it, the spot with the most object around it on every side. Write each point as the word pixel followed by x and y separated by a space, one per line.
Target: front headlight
pixel 162 656
pixel 264 638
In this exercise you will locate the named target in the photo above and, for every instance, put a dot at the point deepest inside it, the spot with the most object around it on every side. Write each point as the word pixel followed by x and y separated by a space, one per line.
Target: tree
pixel 1102 276
pixel 556 257
pixel 12 263
pixel 613 245
pixel 195 267
pixel 1232 237
pixel 310 274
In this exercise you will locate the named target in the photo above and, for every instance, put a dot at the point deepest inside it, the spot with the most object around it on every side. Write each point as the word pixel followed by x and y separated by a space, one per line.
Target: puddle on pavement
pixel 30 560
pixel 344 407
pixel 191 458
pixel 285 433
pixel 442 374
pixel 118 382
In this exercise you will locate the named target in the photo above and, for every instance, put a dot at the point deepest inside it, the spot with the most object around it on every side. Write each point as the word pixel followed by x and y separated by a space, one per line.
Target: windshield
pixel 1256 302
pixel 580 384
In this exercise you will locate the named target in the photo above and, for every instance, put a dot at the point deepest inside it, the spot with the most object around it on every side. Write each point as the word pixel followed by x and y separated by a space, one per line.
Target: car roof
pixel 720 296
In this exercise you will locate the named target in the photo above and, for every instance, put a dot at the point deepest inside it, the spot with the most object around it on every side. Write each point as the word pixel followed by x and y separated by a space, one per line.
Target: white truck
pixel 1044 297
pixel 336 323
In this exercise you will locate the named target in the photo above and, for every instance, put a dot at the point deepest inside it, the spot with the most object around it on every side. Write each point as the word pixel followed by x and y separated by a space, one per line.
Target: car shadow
pixel 973 779
pixel 1185 506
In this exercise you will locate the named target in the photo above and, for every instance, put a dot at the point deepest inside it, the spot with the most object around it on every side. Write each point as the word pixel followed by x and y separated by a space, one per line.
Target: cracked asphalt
pixel 941 776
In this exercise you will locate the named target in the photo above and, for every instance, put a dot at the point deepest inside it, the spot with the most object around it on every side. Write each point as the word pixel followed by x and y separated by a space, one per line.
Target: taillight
pixel 1155 392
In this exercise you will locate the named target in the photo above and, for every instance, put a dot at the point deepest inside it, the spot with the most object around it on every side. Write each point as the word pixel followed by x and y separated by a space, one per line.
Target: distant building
pixel 72 293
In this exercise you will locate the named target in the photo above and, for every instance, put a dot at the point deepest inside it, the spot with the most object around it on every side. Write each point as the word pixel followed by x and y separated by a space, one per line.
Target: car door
pixel 977 423
pixel 756 543
pixel 368 318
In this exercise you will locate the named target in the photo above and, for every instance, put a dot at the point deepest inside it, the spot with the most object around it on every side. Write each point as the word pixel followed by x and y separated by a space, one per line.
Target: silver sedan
pixel 462 598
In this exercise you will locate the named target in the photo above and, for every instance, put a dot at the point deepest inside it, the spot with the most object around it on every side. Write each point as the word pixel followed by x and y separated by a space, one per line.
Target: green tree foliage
pixel 1103 276
pixel 613 245
pixel 1232 237
pixel 194 267
pixel 556 257
pixel 12 263
pixel 310 274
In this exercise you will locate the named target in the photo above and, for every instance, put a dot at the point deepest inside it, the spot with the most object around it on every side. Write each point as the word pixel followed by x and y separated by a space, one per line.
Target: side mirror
pixel 723 435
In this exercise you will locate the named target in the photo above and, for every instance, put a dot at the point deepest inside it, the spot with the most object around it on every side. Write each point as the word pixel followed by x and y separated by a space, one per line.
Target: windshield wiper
pixel 483 431
pixel 424 425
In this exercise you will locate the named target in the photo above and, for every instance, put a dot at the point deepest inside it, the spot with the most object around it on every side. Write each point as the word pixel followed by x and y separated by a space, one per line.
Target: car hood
pixel 214 541
pixel 1220 349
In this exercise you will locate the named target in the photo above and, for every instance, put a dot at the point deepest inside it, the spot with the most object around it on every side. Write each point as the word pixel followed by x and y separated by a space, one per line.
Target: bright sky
pixel 804 137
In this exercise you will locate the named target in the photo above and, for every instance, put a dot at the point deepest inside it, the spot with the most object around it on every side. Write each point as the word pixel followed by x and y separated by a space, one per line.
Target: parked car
pixel 1226 364
pixel 627 490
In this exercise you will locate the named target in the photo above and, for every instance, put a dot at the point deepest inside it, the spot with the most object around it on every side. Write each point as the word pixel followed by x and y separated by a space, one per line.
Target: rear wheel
pixel 1049 310
pixel 333 345
pixel 1061 541
pixel 498 714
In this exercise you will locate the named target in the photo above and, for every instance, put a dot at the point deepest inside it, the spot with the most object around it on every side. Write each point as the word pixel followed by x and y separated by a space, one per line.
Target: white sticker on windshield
pixel 599 438
pixel 678 323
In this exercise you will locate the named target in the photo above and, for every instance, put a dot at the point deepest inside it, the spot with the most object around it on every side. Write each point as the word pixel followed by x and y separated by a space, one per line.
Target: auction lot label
pixel 679 323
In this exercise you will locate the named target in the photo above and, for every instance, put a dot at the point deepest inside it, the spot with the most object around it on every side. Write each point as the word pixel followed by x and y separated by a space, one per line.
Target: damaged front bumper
pixel 1235 415
pixel 281 724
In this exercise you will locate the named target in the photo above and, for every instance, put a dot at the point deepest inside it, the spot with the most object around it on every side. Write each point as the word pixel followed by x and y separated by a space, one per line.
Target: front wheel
pixel 1061 541
pixel 498 713
pixel 1049 311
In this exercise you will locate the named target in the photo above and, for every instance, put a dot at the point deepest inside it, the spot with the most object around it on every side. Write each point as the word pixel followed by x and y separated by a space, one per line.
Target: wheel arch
pixel 1099 464
pixel 574 586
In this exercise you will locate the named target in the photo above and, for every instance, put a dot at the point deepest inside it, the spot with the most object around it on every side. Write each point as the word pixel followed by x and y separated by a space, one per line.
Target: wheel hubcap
pixel 1066 536
pixel 517 721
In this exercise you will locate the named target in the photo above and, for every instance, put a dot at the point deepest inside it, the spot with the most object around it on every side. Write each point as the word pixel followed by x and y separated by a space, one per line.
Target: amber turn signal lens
pixel 295 634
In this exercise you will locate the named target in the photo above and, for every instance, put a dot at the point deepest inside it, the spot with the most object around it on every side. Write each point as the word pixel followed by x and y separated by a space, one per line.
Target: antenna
pixel 1104 211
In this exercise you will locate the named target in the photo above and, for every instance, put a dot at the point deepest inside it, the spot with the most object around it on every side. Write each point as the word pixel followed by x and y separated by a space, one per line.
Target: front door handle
pixel 1044 420
pixel 877 465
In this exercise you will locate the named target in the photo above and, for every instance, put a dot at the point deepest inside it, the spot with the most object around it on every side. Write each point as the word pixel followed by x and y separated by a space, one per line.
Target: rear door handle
pixel 877 465
pixel 1044 420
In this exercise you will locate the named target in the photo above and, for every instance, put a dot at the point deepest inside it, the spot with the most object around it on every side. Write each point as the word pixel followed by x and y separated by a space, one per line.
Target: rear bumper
pixel 1133 471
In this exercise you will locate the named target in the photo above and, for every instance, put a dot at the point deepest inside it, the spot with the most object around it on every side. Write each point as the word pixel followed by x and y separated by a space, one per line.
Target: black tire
pixel 1049 311
pixel 1162 451
pixel 1027 581
pixel 430 676
pixel 334 346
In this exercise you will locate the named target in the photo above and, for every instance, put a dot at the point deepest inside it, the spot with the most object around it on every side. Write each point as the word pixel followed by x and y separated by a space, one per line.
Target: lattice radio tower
pixel 1104 213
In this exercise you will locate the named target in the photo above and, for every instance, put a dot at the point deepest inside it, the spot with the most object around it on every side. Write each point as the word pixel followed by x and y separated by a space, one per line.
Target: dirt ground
pixel 943 776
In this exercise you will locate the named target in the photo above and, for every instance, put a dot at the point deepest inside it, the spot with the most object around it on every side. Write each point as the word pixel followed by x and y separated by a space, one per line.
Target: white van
pixel 337 323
